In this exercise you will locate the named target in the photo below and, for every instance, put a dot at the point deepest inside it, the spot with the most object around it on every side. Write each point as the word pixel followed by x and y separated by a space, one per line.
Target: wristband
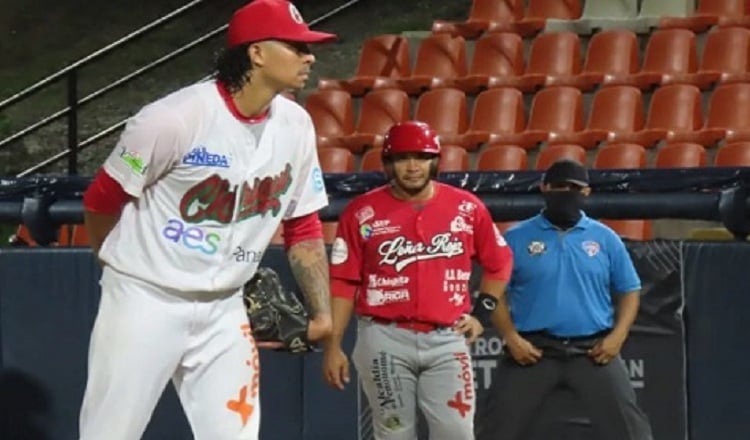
pixel 484 307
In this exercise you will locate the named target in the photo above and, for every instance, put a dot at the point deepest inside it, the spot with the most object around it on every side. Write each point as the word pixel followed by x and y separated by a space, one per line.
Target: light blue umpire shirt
pixel 563 281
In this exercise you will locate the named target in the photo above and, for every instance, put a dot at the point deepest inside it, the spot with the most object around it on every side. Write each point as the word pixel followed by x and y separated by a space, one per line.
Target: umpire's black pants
pixel 518 392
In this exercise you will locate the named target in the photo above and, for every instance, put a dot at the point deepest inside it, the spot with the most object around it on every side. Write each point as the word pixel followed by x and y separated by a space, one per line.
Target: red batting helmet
pixel 411 137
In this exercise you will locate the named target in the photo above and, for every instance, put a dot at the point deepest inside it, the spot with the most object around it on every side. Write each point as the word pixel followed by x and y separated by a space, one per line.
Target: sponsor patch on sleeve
pixel 339 251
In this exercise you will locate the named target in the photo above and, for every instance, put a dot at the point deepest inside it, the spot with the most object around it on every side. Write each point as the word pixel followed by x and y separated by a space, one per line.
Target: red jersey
pixel 413 260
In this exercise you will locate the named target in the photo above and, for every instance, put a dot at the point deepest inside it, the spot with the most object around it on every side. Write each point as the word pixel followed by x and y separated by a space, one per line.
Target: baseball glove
pixel 276 314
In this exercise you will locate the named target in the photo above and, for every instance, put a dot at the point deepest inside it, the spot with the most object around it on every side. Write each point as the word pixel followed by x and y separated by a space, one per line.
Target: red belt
pixel 417 326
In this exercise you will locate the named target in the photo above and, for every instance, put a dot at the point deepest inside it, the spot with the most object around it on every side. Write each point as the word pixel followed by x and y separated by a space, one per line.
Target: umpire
pixel 571 300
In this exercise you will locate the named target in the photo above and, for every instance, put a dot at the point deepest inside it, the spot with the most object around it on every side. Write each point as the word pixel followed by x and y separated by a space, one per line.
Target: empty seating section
pixel 518 84
pixel 440 59
pixel 381 57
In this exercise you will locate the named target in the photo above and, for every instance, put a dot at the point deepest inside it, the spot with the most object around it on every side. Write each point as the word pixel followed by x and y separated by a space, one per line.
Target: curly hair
pixel 233 67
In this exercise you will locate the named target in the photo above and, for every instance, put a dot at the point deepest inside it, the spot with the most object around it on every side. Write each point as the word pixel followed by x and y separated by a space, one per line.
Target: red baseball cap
pixel 271 20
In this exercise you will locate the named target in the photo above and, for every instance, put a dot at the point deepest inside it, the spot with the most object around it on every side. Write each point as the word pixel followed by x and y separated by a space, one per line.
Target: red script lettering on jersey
pixel 214 198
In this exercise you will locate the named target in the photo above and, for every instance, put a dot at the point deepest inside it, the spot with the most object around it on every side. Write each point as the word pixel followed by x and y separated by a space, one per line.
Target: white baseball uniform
pixel 210 189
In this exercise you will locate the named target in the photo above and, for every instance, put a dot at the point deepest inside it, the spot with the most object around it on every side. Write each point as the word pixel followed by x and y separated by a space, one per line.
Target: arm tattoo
pixel 309 263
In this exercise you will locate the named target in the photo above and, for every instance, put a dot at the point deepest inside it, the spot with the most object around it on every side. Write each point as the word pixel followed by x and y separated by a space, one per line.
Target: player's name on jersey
pixel 200 156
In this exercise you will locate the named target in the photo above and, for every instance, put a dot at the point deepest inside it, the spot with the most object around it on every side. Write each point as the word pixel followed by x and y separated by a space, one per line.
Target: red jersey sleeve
pixel 346 250
pixel 493 253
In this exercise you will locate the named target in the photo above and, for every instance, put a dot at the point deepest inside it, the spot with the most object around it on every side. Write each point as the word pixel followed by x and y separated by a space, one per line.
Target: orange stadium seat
pixel 670 57
pixel 498 61
pixel 371 160
pixel 332 115
pixel 380 109
pixel 482 15
pixel 502 158
pixel 441 58
pixel 631 229
pixel 496 112
pixel 336 160
pixel 612 55
pixel 681 155
pixel 620 156
pixel 726 52
pixel 548 155
pixel 736 154
pixel 710 13
pixel 445 110
pixel 453 158
pixel 728 116
pixel 614 110
pixel 79 236
pixel 554 110
pixel 674 111
pixel 382 57
pixel 555 57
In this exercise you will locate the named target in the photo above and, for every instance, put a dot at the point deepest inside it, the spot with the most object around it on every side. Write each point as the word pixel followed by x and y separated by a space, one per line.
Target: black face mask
pixel 563 208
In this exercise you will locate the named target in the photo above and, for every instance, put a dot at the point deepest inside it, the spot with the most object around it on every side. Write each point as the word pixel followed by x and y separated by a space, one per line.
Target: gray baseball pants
pixel 518 392
pixel 401 369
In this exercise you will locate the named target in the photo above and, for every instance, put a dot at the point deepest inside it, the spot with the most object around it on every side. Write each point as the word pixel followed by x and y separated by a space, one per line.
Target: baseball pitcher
pixel 401 261
pixel 180 215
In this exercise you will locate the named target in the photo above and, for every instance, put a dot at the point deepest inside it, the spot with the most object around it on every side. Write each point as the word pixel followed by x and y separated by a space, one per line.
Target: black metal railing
pixel 71 77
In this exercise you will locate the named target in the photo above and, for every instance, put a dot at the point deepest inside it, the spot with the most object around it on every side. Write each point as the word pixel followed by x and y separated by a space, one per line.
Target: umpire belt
pixel 562 347
pixel 415 326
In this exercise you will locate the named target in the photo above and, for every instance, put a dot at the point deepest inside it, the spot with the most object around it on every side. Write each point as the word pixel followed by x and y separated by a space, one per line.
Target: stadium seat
pixel 498 61
pixel 670 57
pixel 611 56
pixel 614 110
pixel 371 160
pixel 79 236
pixel 620 156
pixel 728 117
pixel 707 14
pixel 681 155
pixel 382 57
pixel 379 110
pixel 453 158
pixel 441 58
pixel 726 52
pixel 639 230
pixel 736 154
pixel 538 12
pixel 22 237
pixel 332 115
pixel 556 56
pixel 553 110
pixel 674 111
pixel 496 112
pixel 502 158
pixel 548 155
pixel 336 160
pixel 482 15
pixel 445 111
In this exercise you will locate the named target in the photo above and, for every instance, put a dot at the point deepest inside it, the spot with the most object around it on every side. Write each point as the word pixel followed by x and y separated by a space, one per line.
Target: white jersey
pixel 210 189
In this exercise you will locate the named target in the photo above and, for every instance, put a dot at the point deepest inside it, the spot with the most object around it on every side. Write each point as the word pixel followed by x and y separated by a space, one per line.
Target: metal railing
pixel 74 103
